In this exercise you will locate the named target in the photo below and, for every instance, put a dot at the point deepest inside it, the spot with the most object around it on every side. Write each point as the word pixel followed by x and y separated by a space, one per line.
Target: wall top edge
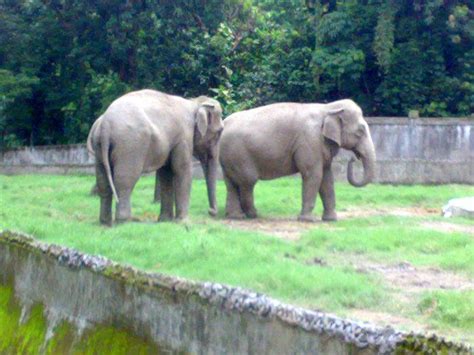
pixel 48 147
pixel 442 121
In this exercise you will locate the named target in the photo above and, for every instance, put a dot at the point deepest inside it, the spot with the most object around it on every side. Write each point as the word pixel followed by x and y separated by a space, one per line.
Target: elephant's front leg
pixel 311 184
pixel 328 196
pixel 165 176
pixel 182 170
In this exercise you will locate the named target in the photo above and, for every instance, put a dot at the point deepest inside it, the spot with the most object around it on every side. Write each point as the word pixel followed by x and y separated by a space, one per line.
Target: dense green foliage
pixel 323 265
pixel 63 61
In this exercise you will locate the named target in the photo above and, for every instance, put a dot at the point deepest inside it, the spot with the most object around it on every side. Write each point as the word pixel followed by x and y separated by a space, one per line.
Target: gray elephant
pixel 287 138
pixel 94 189
pixel 146 131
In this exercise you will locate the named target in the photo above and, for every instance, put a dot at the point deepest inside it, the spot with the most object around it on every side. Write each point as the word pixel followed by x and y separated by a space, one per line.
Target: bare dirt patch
pixel 411 279
pixel 291 229
pixel 396 211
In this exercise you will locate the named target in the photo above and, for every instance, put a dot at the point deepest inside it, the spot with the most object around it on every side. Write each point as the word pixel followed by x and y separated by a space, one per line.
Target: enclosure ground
pixel 390 259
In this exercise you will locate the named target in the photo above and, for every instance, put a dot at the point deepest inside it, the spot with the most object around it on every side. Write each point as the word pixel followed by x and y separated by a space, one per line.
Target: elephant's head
pixel 344 125
pixel 208 129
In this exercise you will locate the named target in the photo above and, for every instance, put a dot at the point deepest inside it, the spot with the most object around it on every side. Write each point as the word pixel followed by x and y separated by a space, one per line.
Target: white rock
pixel 463 207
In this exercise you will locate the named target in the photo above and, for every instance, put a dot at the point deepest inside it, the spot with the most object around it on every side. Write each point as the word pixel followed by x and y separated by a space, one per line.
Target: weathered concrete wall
pixel 73 154
pixel 420 150
pixel 408 151
pixel 88 293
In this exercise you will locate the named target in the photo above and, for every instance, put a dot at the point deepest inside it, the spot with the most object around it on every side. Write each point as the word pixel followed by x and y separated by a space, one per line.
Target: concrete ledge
pixel 59 169
pixel 393 171
pixel 424 121
pixel 201 318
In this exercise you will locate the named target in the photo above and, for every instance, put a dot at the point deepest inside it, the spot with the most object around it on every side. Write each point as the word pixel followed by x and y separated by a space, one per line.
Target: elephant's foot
pixel 307 217
pixel 165 218
pixel 329 216
pixel 106 222
pixel 123 220
pixel 183 220
pixel 123 215
pixel 252 214
pixel 181 215
pixel 234 215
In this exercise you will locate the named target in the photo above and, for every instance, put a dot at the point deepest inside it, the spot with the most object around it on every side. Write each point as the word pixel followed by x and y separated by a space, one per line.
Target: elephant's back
pixel 275 120
pixel 153 97
pixel 149 122
pixel 275 116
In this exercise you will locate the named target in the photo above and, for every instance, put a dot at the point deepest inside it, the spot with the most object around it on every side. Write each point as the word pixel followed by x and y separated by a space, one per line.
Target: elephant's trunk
pixel 209 167
pixel 366 151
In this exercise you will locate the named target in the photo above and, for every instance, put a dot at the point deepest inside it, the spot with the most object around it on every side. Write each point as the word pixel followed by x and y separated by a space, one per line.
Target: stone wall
pixel 65 299
pixel 427 151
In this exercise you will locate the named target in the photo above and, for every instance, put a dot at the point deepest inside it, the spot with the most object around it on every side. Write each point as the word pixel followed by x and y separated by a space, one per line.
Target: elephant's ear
pixel 201 120
pixel 332 127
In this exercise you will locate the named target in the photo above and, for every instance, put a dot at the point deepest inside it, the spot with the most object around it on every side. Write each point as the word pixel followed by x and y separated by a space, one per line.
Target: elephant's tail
pixel 105 146
pixel 92 131
pixel 89 143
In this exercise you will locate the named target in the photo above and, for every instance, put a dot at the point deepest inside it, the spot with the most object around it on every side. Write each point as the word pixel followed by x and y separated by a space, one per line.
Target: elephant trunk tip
pixel 368 174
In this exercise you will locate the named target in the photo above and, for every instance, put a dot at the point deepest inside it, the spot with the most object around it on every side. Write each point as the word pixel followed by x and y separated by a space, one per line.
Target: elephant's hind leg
pixel 246 199
pixel 125 178
pixel 105 194
pixel 233 208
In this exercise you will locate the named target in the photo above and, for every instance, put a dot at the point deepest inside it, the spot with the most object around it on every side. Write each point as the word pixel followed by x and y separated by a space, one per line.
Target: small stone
pixel 462 207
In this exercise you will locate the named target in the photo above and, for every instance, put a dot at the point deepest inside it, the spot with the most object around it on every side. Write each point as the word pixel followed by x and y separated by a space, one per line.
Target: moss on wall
pixel 25 338
pixel 29 336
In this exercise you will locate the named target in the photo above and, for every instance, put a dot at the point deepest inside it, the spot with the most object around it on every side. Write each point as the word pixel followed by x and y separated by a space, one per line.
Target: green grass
pixel 59 209
pixel 391 238
pixel 453 308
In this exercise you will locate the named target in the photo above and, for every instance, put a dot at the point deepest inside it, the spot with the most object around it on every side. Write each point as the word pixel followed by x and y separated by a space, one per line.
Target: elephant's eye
pixel 360 130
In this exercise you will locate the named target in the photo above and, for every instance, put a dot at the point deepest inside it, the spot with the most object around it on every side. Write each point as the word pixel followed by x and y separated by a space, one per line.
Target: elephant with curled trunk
pixel 146 131
pixel 287 138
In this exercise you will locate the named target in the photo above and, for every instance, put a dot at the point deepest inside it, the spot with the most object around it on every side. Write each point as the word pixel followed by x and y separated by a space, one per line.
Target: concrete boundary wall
pixel 409 151
pixel 179 315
